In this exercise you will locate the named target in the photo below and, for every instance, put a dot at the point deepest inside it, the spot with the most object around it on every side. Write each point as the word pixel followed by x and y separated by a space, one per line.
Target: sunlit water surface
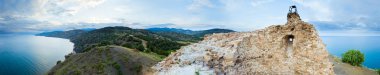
pixel 369 45
pixel 31 55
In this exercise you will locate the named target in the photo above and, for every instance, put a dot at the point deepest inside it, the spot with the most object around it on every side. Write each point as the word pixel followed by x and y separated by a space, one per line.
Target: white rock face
pixel 291 49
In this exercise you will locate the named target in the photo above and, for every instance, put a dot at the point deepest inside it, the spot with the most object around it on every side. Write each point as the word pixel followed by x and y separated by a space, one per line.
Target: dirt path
pixel 144 43
pixel 341 68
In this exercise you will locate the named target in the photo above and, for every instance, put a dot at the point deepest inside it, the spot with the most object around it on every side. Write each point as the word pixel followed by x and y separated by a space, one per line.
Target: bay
pixel 31 55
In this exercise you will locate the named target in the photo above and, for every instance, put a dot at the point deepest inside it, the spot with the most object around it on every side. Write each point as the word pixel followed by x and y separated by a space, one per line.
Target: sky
pixel 330 17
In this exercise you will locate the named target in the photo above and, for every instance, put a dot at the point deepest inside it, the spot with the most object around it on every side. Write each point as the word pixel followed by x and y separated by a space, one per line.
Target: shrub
pixel 353 57
pixel 68 55
pixel 77 72
pixel 140 47
pixel 100 66
pixel 116 65
pixel 378 71
pixel 59 61
pixel 197 73
pixel 137 68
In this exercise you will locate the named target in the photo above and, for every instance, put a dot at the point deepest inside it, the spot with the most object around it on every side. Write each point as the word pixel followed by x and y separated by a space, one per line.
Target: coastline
pixel 341 68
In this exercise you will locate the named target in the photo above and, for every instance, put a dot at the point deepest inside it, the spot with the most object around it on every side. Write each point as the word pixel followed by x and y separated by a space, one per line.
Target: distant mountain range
pixel 66 34
pixel 200 33
pixel 184 31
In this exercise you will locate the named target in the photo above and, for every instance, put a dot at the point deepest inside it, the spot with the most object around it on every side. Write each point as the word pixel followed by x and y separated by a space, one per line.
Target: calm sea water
pixel 369 45
pixel 31 55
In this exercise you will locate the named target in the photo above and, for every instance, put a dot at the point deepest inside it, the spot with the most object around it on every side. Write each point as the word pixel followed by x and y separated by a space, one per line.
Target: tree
pixel 140 47
pixel 353 57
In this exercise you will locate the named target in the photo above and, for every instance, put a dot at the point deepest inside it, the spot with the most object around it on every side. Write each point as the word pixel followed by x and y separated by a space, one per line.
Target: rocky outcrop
pixel 291 49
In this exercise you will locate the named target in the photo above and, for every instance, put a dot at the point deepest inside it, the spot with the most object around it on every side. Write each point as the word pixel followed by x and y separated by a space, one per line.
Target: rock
pixel 291 49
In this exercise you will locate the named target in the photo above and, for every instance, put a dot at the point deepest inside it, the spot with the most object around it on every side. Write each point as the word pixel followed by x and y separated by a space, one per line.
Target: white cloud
pixel 320 10
pixel 70 7
pixel 199 4
pixel 260 2
pixel 100 20
pixel 240 15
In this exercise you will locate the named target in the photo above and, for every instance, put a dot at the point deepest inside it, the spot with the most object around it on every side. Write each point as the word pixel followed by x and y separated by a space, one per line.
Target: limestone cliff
pixel 291 49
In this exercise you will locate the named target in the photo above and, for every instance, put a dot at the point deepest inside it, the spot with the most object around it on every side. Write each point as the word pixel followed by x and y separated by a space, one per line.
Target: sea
pixel 369 45
pixel 31 55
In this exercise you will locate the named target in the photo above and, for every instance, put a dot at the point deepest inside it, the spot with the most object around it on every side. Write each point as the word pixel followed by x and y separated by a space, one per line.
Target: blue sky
pixel 331 17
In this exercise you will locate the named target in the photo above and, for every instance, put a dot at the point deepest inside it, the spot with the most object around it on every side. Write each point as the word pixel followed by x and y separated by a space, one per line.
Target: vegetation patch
pixel 77 72
pixel 117 67
pixel 100 67
pixel 353 57
pixel 197 73
pixel 137 68
pixel 59 61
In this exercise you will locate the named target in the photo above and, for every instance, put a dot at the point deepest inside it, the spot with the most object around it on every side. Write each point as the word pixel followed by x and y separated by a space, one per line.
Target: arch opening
pixel 289 39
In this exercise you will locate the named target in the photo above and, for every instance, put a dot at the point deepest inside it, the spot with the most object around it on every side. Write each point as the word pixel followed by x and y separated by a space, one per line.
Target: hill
pixel 66 34
pixel 63 34
pixel 158 41
pixel 184 31
pixel 121 36
pixel 107 60
pixel 212 31
pixel 200 33
pixel 178 36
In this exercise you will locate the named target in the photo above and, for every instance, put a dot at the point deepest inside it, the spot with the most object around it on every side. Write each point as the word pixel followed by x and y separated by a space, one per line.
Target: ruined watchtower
pixel 293 9
pixel 293 14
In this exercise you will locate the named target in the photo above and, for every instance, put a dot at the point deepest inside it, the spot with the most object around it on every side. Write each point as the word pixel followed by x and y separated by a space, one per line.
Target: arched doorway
pixel 289 39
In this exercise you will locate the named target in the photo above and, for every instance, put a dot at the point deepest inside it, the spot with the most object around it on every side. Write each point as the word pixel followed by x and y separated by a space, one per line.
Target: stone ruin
pixel 291 49
pixel 293 9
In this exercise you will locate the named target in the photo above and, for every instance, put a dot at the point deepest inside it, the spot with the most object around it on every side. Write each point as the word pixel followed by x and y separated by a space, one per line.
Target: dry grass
pixel 105 60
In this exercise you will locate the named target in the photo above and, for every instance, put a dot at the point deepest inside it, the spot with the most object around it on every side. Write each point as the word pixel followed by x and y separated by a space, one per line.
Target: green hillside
pixel 107 60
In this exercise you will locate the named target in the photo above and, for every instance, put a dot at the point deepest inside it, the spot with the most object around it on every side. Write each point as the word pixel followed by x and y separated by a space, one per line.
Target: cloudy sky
pixel 331 17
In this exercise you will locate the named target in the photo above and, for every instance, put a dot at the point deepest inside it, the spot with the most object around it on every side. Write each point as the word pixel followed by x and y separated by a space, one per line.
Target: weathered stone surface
pixel 265 51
